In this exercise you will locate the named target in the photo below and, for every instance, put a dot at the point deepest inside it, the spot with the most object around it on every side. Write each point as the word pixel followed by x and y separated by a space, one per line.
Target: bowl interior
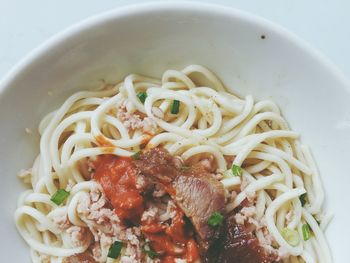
pixel 149 39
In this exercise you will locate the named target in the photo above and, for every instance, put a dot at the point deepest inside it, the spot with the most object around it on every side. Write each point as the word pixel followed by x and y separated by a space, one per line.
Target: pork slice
pixel 196 192
pixel 200 197
pixel 238 243
pixel 158 164
pixel 84 257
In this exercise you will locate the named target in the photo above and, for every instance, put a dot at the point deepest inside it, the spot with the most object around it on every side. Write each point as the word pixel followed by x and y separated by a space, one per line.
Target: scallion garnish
pixel 151 253
pixel 291 236
pixel 306 231
pixel 302 199
pixel 59 197
pixel 236 170
pixel 136 156
pixel 114 250
pixel 175 107
pixel 142 96
pixel 215 219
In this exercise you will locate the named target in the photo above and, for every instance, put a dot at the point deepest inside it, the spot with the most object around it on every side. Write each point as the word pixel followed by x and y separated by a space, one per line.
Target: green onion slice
pixel 175 107
pixel 236 170
pixel 151 253
pixel 306 231
pixel 302 199
pixel 114 250
pixel 136 156
pixel 142 96
pixel 215 219
pixel 291 236
pixel 59 197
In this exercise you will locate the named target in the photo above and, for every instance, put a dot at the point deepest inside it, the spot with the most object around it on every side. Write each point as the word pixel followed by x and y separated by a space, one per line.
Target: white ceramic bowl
pixel 313 94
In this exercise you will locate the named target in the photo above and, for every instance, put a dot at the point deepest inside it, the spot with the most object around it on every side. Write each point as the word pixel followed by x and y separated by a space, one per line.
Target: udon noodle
pixel 277 170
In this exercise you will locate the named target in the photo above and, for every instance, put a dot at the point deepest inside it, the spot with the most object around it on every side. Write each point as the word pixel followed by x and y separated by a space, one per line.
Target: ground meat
pixel 150 213
pixel 128 259
pixel 85 257
pixel 98 216
pixel 60 218
pixel 106 227
pixel 244 214
pixel 251 195
pixel 140 182
pixel 79 235
pixel 132 120
pixel 25 175
pixel 169 213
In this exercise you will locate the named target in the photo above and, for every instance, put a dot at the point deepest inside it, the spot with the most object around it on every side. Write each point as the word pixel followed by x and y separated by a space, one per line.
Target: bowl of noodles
pixel 174 132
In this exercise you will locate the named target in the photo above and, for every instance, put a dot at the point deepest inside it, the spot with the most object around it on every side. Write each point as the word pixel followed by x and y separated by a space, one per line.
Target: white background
pixel 25 24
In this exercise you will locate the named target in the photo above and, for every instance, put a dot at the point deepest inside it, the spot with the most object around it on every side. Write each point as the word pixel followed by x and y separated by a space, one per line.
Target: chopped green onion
pixel 215 219
pixel 236 170
pixel 291 236
pixel 142 96
pixel 302 199
pixel 175 107
pixel 114 250
pixel 306 231
pixel 152 254
pixel 136 156
pixel 59 197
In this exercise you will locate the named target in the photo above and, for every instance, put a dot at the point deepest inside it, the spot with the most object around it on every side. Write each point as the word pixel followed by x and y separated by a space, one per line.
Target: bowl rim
pixel 134 9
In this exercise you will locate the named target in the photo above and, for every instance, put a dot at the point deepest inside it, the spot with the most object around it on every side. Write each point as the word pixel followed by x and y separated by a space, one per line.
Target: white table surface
pixel 25 24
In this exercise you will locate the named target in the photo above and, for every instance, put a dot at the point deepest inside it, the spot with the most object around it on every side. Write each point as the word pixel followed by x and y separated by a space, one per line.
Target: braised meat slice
pixel 158 164
pixel 200 197
pixel 236 242
pixel 194 190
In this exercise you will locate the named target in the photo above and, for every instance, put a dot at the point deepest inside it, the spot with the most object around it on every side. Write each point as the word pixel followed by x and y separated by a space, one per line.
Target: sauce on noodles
pixel 118 178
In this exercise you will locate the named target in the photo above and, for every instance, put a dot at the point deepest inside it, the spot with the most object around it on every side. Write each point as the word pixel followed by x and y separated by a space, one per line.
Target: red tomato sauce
pixel 173 241
pixel 118 176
